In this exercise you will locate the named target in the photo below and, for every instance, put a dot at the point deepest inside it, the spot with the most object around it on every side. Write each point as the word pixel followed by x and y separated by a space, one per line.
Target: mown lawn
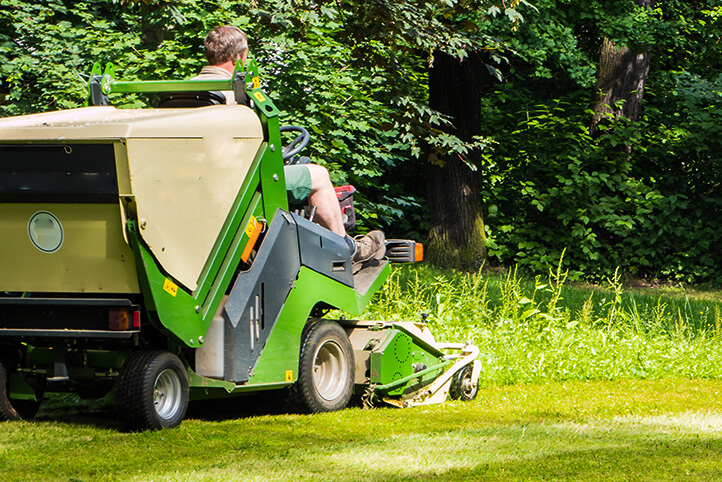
pixel 603 430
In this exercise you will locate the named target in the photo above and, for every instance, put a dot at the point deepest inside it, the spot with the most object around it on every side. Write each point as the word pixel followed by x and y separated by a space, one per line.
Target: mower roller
pixel 149 256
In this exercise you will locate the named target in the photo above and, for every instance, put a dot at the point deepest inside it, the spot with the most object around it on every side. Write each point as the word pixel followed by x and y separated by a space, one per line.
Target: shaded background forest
pixel 530 166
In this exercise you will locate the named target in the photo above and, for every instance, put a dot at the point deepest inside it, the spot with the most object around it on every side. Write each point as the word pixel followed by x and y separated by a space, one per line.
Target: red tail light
pixel 136 319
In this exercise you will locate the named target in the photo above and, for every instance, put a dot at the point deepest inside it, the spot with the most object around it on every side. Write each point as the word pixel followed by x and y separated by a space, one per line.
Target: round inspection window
pixel 45 232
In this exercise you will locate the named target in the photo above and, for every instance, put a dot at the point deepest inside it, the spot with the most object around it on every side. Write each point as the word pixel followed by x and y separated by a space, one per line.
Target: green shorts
pixel 298 183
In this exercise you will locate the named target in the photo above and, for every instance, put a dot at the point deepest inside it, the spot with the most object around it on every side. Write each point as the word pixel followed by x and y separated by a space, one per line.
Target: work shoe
pixel 368 247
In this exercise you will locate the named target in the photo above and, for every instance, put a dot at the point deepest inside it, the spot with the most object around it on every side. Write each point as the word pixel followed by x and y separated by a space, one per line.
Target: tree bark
pixel 153 31
pixel 456 238
pixel 620 80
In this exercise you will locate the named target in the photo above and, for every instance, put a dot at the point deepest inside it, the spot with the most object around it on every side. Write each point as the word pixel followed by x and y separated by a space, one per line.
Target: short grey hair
pixel 224 44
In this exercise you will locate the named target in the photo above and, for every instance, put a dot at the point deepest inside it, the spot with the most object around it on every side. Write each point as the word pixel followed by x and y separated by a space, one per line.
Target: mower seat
pixel 175 100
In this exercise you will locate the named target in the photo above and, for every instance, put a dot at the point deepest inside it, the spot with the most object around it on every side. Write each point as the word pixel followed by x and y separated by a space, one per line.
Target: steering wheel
pixel 297 144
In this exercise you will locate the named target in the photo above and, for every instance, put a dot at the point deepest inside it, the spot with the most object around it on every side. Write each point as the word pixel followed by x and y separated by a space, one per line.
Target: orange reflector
pixel 252 237
pixel 118 319
pixel 418 252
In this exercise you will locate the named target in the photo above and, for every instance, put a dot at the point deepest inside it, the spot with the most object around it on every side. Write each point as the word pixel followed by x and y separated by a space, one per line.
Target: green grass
pixel 578 383
pixel 544 329
pixel 619 430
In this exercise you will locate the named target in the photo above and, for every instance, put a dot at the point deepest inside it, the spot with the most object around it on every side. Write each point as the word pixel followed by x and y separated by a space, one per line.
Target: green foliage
pixel 340 68
pixel 359 82
pixel 577 195
pixel 314 80
pixel 642 196
pixel 652 213
pixel 45 48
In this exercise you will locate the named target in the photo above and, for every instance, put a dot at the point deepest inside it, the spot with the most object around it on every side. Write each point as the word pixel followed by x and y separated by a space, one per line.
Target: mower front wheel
pixel 326 369
pixel 462 385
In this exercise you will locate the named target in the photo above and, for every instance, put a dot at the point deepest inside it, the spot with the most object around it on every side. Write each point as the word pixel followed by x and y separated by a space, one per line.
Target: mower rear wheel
pixel 462 385
pixel 13 410
pixel 326 369
pixel 152 391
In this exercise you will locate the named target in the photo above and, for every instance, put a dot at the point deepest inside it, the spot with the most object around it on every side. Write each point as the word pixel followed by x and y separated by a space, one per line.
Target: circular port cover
pixel 45 232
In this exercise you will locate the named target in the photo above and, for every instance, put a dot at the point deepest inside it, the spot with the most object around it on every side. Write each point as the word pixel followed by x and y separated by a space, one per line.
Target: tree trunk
pixel 620 80
pixel 457 237
pixel 153 30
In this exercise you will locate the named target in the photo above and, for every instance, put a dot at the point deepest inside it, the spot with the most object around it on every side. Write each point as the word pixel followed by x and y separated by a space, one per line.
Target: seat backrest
pixel 175 100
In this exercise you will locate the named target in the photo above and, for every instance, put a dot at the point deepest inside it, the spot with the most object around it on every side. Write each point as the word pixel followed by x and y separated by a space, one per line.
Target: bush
pixel 642 196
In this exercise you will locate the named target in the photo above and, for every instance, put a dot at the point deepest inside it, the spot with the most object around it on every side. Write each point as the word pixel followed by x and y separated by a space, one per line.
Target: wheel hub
pixel 330 370
pixel 167 394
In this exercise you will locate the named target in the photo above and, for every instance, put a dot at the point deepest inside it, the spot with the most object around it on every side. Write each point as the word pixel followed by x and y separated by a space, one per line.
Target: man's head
pixel 226 44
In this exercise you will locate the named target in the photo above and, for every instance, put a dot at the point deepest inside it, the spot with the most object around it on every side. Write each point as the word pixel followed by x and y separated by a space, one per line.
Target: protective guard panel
pixel 184 169
pixel 259 294
pixel 257 298
pixel 60 221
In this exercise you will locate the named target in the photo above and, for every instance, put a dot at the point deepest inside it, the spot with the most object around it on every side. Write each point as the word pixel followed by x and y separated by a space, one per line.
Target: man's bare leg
pixel 323 198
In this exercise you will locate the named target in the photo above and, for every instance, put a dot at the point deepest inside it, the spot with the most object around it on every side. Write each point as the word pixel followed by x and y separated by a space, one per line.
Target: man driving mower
pixel 224 47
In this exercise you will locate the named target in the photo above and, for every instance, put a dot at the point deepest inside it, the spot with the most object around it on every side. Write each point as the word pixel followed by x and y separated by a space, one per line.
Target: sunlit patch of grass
pixel 695 422
pixel 607 430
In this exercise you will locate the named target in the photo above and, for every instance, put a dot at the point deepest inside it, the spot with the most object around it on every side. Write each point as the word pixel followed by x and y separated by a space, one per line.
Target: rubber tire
pixel 135 391
pixel 326 369
pixel 458 391
pixel 13 410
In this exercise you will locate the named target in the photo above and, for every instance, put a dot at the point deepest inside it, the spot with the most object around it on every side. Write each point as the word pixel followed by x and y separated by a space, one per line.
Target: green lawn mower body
pixel 150 256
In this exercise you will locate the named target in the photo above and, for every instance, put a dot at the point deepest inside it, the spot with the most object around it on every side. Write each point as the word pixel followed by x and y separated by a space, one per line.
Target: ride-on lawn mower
pixel 150 256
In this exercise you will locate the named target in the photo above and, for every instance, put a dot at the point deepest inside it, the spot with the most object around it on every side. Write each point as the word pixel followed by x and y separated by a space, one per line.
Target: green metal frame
pixel 282 351
pixel 18 388
pixel 397 386
pixel 392 376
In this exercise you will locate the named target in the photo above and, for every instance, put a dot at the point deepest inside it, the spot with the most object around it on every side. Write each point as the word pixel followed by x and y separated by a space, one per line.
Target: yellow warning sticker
pixel 259 96
pixel 256 83
pixel 289 375
pixel 251 224
pixel 170 287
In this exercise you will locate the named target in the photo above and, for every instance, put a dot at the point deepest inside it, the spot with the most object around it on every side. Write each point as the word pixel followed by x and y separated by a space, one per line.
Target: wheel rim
pixel 330 370
pixel 167 394
pixel 467 385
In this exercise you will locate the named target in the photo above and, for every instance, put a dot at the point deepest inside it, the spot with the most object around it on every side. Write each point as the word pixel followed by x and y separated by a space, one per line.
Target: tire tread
pixel 13 410
pixel 456 391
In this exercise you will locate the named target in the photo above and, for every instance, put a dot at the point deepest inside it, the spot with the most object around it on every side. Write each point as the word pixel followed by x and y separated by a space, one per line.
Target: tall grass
pixel 543 329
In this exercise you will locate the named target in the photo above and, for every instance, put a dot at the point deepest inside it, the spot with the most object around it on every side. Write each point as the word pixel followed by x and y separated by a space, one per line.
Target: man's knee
pixel 320 178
